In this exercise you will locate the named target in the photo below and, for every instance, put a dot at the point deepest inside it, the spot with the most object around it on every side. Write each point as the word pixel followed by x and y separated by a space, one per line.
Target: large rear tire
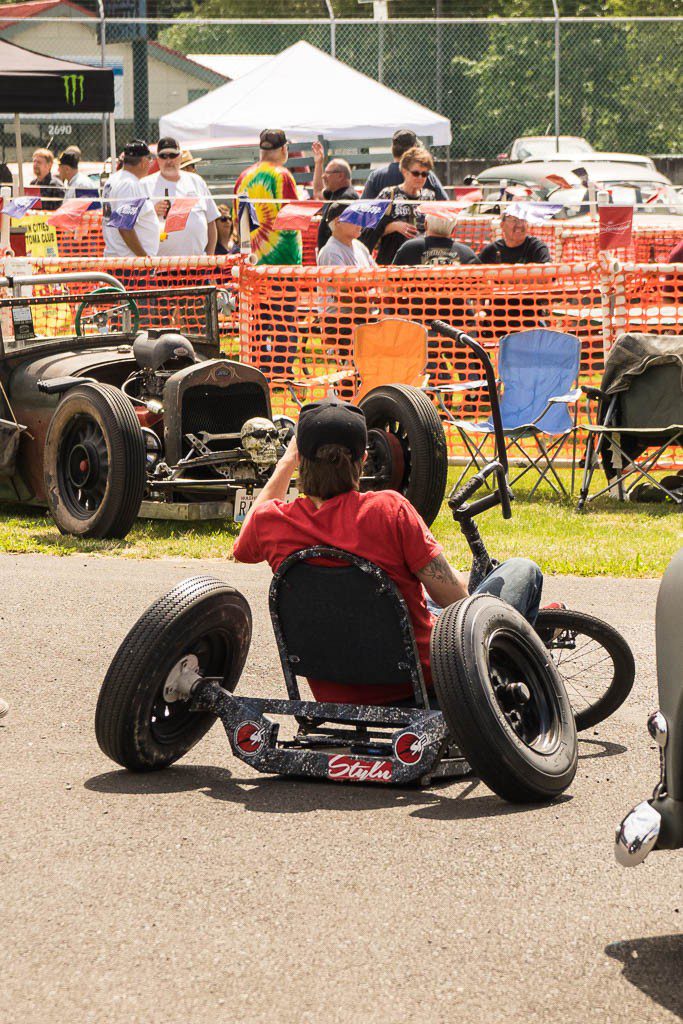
pixel 94 462
pixel 406 447
pixel 136 723
pixel 503 700
pixel 594 660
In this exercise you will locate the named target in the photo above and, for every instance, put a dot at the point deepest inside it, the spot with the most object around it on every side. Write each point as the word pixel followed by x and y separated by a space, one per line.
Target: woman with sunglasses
pixel 402 221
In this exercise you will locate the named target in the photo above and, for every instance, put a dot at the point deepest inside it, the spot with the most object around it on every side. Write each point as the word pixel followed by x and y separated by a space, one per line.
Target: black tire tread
pixel 614 644
pixel 128 454
pixel 138 652
pixel 429 469
pixel 486 750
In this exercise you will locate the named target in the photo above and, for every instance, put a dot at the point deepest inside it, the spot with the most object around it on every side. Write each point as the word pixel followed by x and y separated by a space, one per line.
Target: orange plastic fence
pixel 136 274
pixel 297 321
pixel 574 243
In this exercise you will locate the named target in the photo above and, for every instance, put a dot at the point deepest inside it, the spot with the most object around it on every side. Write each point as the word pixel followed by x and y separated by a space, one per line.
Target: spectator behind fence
pixel 401 219
pixel 70 175
pixel 516 245
pixel 332 184
pixel 170 182
pixel 676 254
pixel 343 249
pixel 50 186
pixel 269 178
pixel 384 177
pixel 126 186
pixel 436 247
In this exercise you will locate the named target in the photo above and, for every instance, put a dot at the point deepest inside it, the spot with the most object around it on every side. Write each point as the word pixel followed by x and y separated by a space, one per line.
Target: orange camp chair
pixel 391 351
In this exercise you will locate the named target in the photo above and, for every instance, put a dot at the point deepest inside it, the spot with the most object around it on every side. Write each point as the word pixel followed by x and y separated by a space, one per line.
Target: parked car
pixel 107 421
pixel 650 192
pixel 571 147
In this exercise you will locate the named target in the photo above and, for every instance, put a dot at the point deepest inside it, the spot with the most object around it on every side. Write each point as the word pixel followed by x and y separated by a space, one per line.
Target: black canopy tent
pixel 33 83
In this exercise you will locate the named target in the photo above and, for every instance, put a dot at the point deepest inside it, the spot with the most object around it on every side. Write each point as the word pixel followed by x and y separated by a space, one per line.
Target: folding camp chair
pixel 639 416
pixel 537 370
pixel 390 351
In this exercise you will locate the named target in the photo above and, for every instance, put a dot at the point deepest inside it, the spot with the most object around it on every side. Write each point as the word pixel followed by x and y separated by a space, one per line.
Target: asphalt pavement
pixel 207 894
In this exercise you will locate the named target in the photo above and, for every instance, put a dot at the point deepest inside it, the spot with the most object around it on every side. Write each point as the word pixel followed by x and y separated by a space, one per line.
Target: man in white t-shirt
pixel 343 249
pixel 126 185
pixel 199 234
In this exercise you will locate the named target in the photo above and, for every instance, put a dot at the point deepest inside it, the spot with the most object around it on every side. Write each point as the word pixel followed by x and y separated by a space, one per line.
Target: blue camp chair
pixel 537 371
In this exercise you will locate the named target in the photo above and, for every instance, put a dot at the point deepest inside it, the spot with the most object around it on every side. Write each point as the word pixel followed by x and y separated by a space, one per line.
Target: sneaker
pixel 554 606
pixel 4 707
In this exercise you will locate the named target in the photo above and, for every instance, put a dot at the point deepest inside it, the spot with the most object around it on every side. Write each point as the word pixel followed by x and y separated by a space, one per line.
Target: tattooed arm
pixel 441 583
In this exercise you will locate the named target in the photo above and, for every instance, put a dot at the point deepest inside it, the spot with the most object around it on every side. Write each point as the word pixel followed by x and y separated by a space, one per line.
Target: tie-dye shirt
pixel 269 181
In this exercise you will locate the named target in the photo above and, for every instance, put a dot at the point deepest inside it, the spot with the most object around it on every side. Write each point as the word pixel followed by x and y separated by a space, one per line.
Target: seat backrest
pixel 653 399
pixel 391 351
pixel 533 367
pixel 340 618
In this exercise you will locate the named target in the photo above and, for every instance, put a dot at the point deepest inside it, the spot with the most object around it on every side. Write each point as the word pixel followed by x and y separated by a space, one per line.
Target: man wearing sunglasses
pixel 199 234
pixel 401 220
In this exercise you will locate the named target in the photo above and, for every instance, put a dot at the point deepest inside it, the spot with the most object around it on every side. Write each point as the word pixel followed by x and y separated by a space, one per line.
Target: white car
pixel 571 148
pixel 650 192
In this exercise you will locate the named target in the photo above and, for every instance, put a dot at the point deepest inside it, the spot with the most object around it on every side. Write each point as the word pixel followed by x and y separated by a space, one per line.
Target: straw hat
pixel 186 159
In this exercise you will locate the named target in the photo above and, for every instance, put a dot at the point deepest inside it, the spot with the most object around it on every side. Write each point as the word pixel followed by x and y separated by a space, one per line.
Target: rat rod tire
pixel 94 462
pixel 406 446
pixel 594 660
pixel 503 700
pixel 135 724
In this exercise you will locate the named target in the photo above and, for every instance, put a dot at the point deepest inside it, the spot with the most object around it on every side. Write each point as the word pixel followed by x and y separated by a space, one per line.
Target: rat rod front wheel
pixel 406 447
pixel 201 628
pixel 94 462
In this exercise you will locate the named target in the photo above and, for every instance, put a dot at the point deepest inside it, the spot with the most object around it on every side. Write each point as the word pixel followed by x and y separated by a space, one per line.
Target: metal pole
pixel 112 141
pixel 439 53
pixel 20 155
pixel 556 13
pixel 103 62
pixel 333 28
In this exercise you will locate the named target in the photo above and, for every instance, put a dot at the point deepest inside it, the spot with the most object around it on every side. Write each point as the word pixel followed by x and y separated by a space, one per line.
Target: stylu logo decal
pixel 353 769
pixel 249 737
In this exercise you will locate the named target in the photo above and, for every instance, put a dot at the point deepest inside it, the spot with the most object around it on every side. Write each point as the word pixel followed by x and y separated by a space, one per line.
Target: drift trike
pixel 503 708
pixel 657 824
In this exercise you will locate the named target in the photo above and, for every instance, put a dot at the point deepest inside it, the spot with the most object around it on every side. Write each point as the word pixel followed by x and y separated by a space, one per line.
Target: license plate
pixel 245 499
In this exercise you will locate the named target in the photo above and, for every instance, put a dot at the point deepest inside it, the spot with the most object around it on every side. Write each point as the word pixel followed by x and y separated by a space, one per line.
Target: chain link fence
pixel 494 79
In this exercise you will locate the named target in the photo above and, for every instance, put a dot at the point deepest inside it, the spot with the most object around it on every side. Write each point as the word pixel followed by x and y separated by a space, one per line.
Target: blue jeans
pixel 518 581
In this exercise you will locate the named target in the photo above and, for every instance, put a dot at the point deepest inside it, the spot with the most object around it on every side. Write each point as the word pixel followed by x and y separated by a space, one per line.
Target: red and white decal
pixel 354 769
pixel 249 737
pixel 409 746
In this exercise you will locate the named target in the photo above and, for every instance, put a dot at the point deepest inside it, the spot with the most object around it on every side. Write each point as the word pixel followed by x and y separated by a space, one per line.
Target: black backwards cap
pixel 331 422
pixel 138 147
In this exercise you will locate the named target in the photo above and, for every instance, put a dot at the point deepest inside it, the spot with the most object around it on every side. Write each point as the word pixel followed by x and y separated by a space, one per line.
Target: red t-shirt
pixel 381 526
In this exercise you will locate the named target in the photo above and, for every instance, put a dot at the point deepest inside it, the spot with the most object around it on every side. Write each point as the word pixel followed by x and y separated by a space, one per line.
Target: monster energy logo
pixel 73 89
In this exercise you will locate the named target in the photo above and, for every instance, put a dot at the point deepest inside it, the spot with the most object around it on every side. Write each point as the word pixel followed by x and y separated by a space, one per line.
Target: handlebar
pixel 464 339
pixel 458 500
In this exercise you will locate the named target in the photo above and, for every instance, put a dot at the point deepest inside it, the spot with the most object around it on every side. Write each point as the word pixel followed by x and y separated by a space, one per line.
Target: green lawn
pixel 611 539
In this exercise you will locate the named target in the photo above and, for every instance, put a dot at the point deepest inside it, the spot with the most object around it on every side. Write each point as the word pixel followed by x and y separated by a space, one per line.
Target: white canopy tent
pixel 307 93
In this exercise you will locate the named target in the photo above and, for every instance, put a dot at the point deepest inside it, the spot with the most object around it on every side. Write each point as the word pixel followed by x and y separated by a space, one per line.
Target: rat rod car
pixel 109 421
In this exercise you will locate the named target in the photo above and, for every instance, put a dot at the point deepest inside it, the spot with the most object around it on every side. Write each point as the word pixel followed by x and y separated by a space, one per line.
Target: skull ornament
pixel 260 439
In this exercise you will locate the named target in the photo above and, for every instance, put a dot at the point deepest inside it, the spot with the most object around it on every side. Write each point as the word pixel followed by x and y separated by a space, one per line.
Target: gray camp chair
pixel 639 417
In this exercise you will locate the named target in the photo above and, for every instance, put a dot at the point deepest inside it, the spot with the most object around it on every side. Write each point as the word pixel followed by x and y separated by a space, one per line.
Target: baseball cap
pixel 138 147
pixel 272 138
pixel 404 137
pixel 331 422
pixel 168 145
pixel 69 159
